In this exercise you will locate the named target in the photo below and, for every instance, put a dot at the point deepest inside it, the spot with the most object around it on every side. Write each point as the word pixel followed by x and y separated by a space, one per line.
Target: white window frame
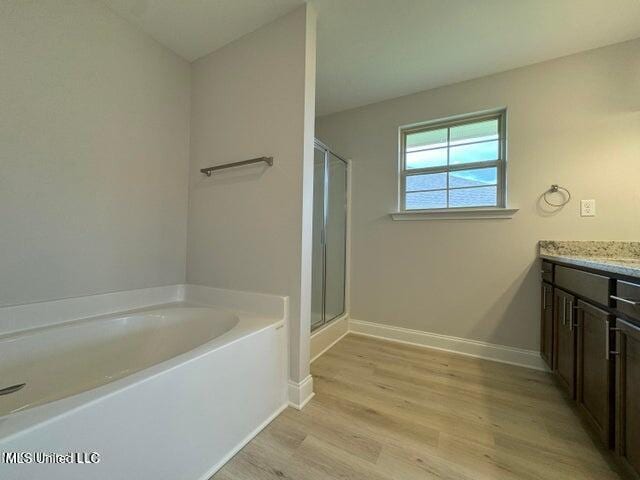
pixel 500 163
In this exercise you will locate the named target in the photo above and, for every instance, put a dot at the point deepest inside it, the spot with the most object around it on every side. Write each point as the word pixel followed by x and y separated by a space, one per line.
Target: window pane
pixel 473 197
pixel 475 132
pixel 428 139
pixel 476 152
pixel 426 200
pixel 426 158
pixel 431 181
pixel 462 163
pixel 476 177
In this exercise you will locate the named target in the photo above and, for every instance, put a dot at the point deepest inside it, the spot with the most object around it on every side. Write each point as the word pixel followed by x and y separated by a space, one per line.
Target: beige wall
pixel 573 121
pixel 94 119
pixel 251 98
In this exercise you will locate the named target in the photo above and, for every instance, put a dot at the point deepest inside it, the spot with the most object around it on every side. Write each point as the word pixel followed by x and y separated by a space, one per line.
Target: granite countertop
pixel 614 257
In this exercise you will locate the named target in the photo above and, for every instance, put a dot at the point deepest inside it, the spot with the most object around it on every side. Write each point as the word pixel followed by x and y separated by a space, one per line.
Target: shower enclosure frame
pixel 347 236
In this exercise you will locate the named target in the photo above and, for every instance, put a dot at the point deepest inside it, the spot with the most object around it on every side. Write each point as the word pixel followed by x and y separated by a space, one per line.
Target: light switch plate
pixel 587 208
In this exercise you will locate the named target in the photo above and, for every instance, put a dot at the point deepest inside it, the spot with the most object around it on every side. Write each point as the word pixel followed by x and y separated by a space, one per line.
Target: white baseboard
pixel 326 337
pixel 463 346
pixel 241 445
pixel 300 393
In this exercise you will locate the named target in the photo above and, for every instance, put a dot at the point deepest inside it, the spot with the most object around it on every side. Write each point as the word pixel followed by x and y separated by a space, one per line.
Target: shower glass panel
pixel 317 281
pixel 335 237
pixel 329 237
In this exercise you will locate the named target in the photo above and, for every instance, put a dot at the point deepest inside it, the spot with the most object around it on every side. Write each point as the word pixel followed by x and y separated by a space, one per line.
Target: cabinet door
pixel 565 340
pixel 628 396
pixel 546 328
pixel 595 369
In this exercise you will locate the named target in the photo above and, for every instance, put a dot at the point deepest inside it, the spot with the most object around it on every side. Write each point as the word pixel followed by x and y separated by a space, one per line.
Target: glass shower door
pixel 329 237
pixel 317 279
pixel 335 237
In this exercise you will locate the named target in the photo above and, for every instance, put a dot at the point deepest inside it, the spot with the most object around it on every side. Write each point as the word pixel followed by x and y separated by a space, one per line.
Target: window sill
pixel 456 214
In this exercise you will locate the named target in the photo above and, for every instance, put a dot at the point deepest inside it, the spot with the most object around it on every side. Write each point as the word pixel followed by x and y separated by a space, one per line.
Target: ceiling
pixel 194 28
pixel 371 50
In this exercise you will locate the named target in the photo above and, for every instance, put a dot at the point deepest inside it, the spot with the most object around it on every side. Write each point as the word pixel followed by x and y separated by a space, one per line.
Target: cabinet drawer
pixel 627 299
pixel 589 285
pixel 547 271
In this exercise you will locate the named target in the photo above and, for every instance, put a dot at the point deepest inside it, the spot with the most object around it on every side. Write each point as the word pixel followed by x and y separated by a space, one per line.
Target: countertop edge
pixel 595 264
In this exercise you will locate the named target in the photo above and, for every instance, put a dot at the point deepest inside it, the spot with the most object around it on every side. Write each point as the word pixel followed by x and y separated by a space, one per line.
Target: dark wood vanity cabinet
pixel 590 338
pixel 628 396
pixel 594 368
pixel 546 324
pixel 564 354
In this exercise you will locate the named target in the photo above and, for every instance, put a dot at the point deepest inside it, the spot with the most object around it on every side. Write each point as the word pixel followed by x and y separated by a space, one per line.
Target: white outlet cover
pixel 588 208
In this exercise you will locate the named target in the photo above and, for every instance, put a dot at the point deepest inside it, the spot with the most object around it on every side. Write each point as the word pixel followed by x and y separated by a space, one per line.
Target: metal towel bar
pixel 210 170
pixel 11 389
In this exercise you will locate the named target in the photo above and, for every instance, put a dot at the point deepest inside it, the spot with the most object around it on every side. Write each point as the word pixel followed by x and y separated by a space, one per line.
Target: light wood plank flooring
pixel 388 411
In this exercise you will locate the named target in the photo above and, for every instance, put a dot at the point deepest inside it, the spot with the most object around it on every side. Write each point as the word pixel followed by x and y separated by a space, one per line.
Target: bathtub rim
pixel 33 330
pixel 47 312
pixel 24 421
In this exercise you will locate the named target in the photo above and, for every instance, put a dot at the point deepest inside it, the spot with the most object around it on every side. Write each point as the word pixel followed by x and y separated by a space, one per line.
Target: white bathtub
pixel 168 392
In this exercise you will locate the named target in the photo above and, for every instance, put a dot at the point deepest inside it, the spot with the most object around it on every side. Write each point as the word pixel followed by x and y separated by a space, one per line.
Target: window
pixel 453 164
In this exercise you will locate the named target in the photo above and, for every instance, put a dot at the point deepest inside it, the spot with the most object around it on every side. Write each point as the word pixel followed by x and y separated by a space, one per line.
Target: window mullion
pixel 473 166
pixel 448 165
pixel 422 171
pixel 451 168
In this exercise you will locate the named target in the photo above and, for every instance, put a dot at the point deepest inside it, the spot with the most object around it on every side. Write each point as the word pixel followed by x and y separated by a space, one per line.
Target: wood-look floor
pixel 383 410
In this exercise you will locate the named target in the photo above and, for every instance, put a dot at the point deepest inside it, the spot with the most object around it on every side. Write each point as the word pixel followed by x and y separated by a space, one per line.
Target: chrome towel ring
pixel 555 189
